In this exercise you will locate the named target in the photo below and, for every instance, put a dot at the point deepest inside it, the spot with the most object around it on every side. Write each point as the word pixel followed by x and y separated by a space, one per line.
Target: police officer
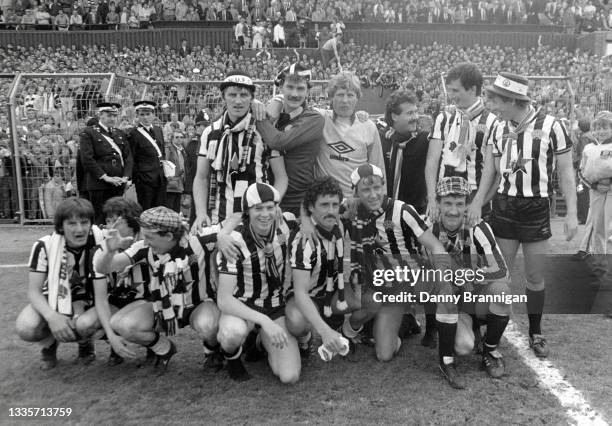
pixel 147 144
pixel 106 159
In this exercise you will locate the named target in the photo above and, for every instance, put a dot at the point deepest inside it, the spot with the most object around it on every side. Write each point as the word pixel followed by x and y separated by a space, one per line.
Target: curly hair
pixel 344 80
pixel 128 209
pixel 325 185
pixel 395 102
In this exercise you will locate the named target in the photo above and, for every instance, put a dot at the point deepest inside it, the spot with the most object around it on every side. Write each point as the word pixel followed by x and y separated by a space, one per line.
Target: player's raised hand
pixel 258 109
pixel 200 222
pixel 114 241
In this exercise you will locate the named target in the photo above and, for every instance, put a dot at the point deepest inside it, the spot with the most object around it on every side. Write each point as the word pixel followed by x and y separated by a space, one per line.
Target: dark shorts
pixel 523 219
pixel 272 313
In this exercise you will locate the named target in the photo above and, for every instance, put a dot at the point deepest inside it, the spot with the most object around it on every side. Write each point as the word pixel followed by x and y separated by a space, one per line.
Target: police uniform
pixel 104 151
pixel 147 146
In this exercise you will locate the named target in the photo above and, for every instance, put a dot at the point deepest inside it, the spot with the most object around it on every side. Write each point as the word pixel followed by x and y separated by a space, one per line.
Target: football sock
pixel 535 307
pixel 160 345
pixel 348 330
pixel 303 340
pixel 209 349
pixel 430 323
pixel 233 355
pixel 446 337
pixel 496 324
pixel 47 341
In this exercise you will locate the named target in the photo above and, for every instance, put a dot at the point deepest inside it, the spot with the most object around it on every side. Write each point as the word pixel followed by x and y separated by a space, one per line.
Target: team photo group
pixel 298 215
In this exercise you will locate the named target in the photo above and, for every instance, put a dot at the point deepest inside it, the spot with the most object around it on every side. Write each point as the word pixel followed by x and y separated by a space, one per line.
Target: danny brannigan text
pixel 465 297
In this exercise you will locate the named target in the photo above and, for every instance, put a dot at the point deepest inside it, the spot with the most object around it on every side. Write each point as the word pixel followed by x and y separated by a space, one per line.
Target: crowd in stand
pixel 262 15
pixel 52 112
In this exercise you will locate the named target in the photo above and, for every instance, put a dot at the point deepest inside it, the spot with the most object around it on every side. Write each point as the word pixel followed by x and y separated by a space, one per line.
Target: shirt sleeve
pixel 230 267
pixel 412 218
pixel 493 267
pixel 495 139
pixel 559 138
pixel 137 251
pixel 301 253
pixel 204 142
pixel 38 258
pixel 437 130
pixel 375 152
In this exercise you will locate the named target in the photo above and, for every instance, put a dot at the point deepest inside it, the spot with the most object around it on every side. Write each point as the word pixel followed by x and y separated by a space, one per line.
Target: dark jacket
pixel 191 163
pixel 412 189
pixel 147 165
pixel 98 157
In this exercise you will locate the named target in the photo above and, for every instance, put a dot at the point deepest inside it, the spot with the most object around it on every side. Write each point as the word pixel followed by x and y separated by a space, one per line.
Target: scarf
pixel 170 287
pixel 397 158
pixel 228 159
pixel 511 149
pixel 333 243
pixel 456 154
pixel 273 277
pixel 456 243
pixel 58 281
pixel 364 247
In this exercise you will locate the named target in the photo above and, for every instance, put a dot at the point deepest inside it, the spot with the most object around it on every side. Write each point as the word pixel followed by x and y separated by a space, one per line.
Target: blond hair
pixel 346 80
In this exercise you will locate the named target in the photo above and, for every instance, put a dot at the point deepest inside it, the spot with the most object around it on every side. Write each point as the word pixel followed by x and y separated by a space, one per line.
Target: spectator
pixel 112 18
pixel 279 34
pixel 175 153
pixel 62 22
pixel 180 10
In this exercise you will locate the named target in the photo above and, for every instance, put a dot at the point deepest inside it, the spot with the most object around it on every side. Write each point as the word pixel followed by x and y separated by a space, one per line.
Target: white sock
pixel 448 359
pixel 399 345
pixel 303 340
pixel 162 346
pixel 348 330
pixel 47 341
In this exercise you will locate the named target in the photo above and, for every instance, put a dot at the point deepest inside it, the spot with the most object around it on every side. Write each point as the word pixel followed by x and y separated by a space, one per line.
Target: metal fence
pixel 47 112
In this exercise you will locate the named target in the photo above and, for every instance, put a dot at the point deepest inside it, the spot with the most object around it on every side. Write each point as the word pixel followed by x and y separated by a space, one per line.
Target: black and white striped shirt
pixel 446 128
pixel 527 164
pixel 252 287
pixel 198 252
pixel 474 248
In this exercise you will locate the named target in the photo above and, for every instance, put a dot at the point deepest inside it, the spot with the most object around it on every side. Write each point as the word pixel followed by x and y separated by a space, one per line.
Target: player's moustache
pixel 330 216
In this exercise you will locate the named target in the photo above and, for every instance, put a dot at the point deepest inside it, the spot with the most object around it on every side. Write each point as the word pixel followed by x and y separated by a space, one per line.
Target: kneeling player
pixel 251 287
pixel 317 288
pixel 385 234
pixel 180 289
pixel 471 248
pixel 60 282
pixel 123 289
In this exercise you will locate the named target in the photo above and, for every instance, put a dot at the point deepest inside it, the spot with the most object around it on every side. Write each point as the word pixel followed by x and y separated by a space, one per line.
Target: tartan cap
pixel 258 193
pixel 364 171
pixel 453 185
pixel 161 218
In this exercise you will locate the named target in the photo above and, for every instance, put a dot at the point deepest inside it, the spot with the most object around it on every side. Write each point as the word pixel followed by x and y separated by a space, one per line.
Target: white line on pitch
pixel 576 406
pixel 17 265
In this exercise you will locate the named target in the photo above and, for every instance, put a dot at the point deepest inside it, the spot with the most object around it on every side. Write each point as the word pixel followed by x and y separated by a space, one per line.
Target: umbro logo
pixel 341 147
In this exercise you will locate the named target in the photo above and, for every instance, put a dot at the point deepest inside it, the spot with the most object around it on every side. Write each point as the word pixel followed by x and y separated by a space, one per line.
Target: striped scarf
pixel 364 247
pixel 273 277
pixel 456 154
pixel 511 138
pixel 333 243
pixel 227 159
pixel 170 287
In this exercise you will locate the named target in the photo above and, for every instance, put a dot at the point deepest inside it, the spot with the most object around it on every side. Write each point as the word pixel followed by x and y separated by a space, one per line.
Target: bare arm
pixel 568 186
pixel 306 132
pixel 280 175
pixel 432 164
pixel 200 193
pixel 59 324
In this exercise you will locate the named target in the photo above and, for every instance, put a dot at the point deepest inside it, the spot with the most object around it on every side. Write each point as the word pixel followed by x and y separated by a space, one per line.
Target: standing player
pixel 147 144
pixel 60 284
pixel 526 144
pixel 298 134
pixel 181 288
pixel 250 290
pixel 457 143
pixel 405 150
pixel 349 142
pixel 233 156
pixel 471 248
pixel 317 284
pixel 385 234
